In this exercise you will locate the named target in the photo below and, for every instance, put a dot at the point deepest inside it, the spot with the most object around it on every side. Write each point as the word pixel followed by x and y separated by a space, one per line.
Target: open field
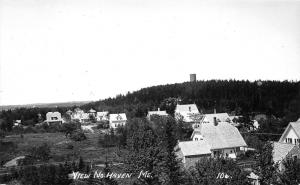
pixel 62 148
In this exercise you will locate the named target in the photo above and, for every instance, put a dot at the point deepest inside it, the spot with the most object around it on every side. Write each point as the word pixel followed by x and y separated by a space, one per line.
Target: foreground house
pixel 291 134
pixel 185 112
pixel 116 120
pixel 53 118
pixel 221 138
pixel 190 152
pixel 282 151
pixel 158 112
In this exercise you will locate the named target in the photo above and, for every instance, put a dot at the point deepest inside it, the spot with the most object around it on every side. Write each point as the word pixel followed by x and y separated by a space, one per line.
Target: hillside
pixel 280 98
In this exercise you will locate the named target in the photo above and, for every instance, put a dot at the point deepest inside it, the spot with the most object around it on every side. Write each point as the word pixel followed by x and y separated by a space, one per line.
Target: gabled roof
pixel 53 114
pixel 293 125
pixel 196 131
pixel 78 110
pixel 117 117
pixel 258 117
pixel 104 113
pixel 69 112
pixel 190 148
pixel 281 150
pixel 160 113
pixel 221 117
pixel 186 108
pixel 92 111
pixel 223 135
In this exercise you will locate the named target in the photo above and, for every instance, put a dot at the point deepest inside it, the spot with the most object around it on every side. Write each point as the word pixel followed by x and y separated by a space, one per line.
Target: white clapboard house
pixel 116 120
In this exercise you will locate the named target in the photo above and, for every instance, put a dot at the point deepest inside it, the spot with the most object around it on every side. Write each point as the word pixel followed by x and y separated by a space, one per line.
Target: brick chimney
pixel 215 121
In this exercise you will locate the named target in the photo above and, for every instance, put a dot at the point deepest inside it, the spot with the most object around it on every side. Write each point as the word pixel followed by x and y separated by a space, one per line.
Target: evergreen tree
pixel 291 171
pixel 172 167
pixel 266 169
pixel 81 165
pixel 217 171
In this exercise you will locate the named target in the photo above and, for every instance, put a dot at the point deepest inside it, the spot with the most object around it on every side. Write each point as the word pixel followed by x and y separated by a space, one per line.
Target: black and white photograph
pixel 149 92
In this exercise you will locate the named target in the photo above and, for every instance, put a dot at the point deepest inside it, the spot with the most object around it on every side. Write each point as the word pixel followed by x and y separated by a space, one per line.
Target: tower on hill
pixel 193 78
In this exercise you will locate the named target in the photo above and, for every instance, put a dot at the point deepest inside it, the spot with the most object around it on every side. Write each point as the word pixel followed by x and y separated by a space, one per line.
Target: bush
pixel 40 152
pixel 70 146
pixel 78 135
pixel 68 128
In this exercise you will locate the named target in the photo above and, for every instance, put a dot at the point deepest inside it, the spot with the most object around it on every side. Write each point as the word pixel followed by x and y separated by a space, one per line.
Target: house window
pixel 295 141
pixel 286 140
pixel 190 109
pixel 196 139
pixel 289 140
pixel 54 118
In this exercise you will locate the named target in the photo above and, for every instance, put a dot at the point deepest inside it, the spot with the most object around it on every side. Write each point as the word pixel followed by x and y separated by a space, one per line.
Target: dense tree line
pixel 270 97
pixel 281 99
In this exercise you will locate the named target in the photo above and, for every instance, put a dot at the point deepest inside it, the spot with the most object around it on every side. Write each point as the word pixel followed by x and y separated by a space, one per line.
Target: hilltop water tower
pixel 193 78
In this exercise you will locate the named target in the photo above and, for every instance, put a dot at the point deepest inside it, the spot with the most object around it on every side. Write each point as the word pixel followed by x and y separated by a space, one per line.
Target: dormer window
pixel 119 117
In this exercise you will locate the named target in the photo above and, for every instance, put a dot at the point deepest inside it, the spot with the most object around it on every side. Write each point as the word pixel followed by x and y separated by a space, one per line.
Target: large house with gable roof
pixel 116 120
pixel 291 134
pixel 221 138
pixel 158 113
pixel 186 112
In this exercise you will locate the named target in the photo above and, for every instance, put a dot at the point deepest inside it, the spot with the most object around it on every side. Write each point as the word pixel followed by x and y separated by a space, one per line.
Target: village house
pixel 283 151
pixel 53 117
pixel 224 139
pixel 186 112
pixel 102 116
pixel 158 112
pixel 190 152
pixel 116 120
pixel 17 123
pixel 221 138
pixel 79 115
pixel 291 134
pixel 92 112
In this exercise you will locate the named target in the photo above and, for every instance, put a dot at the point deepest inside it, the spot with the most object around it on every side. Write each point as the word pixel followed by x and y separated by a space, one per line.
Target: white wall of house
pixel 197 137
pixel 290 137
pixel 115 124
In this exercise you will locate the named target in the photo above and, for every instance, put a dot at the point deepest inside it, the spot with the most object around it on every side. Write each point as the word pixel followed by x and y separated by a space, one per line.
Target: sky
pixel 77 50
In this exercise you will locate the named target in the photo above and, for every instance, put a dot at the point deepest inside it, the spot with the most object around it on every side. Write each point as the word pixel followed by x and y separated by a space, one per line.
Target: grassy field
pixel 61 148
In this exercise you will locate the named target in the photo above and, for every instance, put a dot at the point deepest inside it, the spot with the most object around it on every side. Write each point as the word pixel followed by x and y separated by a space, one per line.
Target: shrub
pixel 70 146
pixel 40 153
pixel 78 135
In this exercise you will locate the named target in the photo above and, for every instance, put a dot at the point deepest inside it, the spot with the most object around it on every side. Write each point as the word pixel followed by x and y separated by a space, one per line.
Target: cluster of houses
pixel 213 134
pixel 79 115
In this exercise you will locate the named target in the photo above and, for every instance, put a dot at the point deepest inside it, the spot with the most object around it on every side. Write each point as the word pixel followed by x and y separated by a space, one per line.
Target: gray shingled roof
pixel 117 117
pixel 224 135
pixel 190 148
pixel 185 108
pixel 221 116
pixel 160 113
pixel 281 150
